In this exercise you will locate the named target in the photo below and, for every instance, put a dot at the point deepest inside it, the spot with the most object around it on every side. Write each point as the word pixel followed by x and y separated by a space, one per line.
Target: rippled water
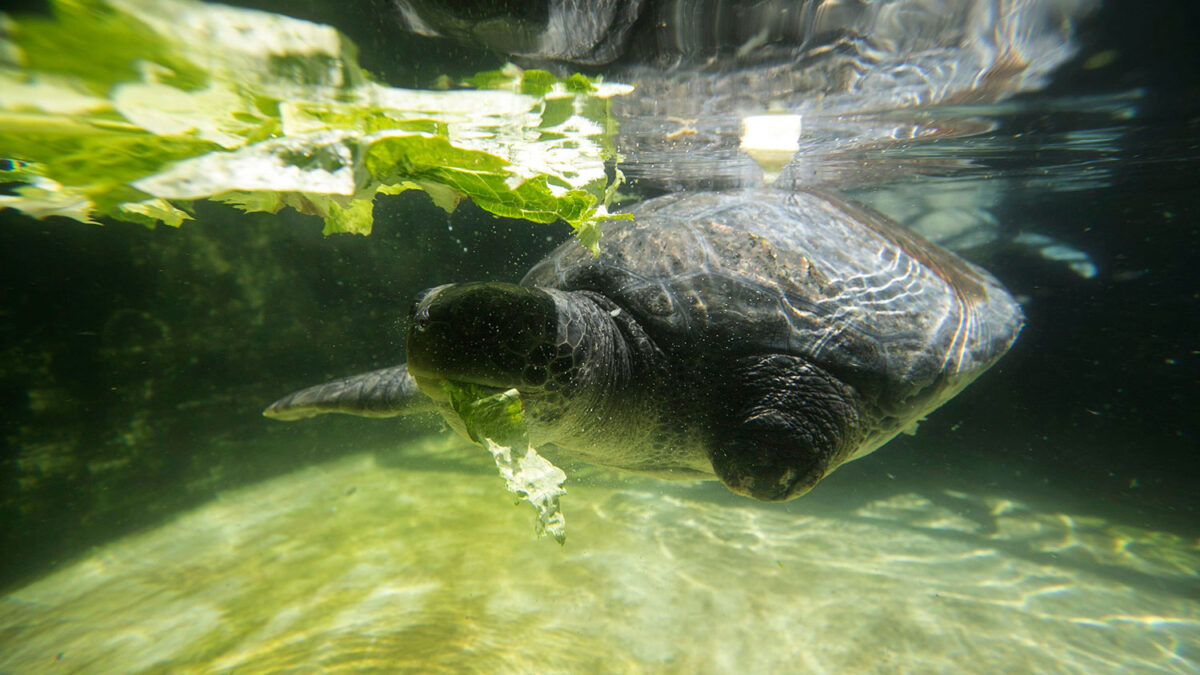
pixel 416 560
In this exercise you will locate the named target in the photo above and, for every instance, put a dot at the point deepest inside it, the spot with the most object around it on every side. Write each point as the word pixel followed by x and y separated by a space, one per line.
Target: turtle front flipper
pixel 379 393
pixel 790 424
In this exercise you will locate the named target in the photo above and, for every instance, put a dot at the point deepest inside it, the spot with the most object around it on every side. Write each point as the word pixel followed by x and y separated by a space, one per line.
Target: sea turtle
pixel 751 324
pixel 760 336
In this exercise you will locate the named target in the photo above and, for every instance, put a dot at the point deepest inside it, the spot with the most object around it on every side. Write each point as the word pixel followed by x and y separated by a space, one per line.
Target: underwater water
pixel 369 563
pixel 1045 520
pixel 411 560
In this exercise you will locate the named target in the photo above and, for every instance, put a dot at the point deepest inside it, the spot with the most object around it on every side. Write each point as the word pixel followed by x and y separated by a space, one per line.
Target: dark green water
pixel 1044 521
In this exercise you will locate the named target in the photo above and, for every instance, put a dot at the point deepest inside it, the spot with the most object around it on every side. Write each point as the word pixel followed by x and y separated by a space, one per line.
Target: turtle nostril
pixel 419 318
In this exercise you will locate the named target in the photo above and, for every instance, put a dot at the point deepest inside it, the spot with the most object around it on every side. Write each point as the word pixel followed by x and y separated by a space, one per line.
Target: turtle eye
pixel 534 376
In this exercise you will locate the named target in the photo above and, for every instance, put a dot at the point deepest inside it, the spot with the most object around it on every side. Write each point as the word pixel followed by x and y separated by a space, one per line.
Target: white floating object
pixel 771 140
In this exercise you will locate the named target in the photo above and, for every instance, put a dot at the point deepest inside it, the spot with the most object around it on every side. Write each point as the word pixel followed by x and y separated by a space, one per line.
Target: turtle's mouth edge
pixel 431 386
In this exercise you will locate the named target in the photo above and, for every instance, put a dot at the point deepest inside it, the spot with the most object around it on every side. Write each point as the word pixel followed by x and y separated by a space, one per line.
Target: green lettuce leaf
pixel 127 108
pixel 497 421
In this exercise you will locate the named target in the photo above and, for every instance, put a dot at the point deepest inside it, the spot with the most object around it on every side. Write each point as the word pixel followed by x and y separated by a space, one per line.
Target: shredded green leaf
pixel 125 108
pixel 497 421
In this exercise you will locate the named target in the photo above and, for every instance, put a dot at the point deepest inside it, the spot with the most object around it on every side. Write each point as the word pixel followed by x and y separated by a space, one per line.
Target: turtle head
pixel 491 334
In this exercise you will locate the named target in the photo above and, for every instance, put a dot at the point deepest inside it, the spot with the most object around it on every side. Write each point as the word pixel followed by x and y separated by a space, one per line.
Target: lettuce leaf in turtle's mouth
pixel 497 421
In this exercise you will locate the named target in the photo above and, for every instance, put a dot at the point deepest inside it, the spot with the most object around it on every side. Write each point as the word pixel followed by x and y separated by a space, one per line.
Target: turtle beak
pixel 426 341
pixel 478 333
pixel 419 323
pixel 418 313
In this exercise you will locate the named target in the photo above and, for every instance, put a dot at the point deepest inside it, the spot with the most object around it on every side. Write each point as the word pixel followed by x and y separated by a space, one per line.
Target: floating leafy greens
pixel 131 109
pixel 497 421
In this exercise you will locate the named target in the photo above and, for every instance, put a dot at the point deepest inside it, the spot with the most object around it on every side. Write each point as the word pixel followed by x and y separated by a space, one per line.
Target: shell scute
pixel 809 274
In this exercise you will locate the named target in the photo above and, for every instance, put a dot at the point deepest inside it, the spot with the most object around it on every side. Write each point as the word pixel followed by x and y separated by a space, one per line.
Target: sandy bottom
pixel 364 565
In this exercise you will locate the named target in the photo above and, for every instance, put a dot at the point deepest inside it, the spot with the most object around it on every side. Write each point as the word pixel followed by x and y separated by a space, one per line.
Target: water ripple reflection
pixel 364 567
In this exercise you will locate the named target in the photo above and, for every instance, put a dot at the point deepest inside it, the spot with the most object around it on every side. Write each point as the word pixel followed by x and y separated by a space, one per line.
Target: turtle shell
pixel 712 276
